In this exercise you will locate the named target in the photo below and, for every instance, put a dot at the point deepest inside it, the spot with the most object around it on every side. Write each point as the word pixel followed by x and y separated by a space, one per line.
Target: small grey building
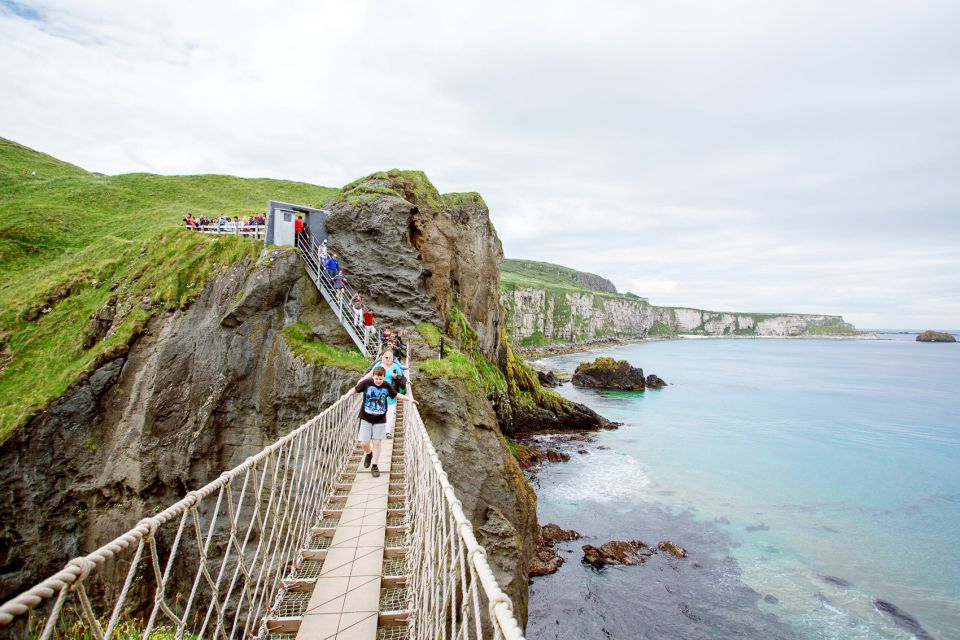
pixel 282 216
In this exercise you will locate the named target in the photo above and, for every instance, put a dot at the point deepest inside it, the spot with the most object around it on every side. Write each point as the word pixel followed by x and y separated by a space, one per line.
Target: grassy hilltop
pixel 70 241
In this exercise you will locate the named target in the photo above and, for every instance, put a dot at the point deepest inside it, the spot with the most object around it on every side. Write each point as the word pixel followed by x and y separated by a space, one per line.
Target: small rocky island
pixel 607 373
pixel 932 336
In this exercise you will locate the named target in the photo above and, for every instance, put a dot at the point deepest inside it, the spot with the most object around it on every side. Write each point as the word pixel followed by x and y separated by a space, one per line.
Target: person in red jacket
pixel 367 324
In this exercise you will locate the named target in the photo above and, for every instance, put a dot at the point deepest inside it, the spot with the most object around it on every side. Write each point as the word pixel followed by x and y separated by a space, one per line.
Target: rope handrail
pixel 239 535
pixel 447 603
pixel 303 445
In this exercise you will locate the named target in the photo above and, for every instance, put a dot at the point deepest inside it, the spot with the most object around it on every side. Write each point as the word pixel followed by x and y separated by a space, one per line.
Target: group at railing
pixel 213 563
pixel 249 227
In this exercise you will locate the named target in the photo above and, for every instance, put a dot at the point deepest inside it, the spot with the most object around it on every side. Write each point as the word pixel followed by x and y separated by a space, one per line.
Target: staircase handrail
pixel 342 306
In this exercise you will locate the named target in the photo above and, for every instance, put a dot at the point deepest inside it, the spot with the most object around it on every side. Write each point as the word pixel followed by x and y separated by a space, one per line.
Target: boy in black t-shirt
pixel 373 416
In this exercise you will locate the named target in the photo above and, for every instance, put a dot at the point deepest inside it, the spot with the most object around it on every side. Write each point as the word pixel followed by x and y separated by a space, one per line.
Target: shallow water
pixel 821 474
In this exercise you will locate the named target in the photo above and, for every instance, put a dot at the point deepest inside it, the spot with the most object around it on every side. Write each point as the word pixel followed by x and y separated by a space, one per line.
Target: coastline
pixel 731 550
pixel 566 348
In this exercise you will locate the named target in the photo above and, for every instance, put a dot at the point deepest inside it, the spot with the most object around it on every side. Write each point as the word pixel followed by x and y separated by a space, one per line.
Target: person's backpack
pixel 400 383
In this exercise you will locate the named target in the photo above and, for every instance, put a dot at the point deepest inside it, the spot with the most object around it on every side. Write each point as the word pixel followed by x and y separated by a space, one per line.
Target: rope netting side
pixel 210 564
pixel 454 591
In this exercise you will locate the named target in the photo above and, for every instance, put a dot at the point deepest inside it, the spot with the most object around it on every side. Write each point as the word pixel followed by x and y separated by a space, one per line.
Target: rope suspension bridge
pixel 299 542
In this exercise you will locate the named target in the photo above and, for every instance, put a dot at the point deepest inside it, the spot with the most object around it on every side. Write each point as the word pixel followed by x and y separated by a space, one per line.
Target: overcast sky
pixel 739 155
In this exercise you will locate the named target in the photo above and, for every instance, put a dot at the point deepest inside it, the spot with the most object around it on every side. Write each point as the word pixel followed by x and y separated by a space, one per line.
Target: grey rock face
pixel 414 257
pixel 595 282
pixel 201 391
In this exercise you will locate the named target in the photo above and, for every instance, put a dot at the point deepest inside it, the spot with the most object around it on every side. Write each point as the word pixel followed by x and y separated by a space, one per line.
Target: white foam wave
pixel 600 476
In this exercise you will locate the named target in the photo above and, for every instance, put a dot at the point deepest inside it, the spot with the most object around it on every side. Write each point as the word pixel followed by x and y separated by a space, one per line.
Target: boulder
pixel 607 373
pixel 935 336
pixel 654 382
pixel 617 552
pixel 547 560
pixel 671 548
pixel 548 378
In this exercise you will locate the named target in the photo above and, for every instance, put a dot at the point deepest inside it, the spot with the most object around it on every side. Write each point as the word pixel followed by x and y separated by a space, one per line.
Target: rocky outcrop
pixel 548 378
pixel 935 336
pixel 631 552
pixel 579 316
pixel 415 254
pixel 654 382
pixel 531 457
pixel 671 548
pixel 556 418
pixel 196 394
pixel 595 283
pixel 547 559
pixel 607 373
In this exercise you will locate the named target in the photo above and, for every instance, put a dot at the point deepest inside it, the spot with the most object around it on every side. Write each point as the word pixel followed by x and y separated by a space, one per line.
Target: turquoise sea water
pixel 821 474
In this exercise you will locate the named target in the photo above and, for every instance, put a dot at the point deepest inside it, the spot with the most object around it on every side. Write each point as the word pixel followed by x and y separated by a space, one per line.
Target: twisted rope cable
pixel 78 569
pixel 435 598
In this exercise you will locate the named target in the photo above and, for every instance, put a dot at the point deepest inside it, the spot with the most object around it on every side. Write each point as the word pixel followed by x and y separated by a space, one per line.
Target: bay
pixel 808 479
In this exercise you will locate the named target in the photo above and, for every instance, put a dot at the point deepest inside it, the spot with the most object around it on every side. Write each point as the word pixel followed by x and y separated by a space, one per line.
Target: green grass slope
pixel 71 241
pixel 544 275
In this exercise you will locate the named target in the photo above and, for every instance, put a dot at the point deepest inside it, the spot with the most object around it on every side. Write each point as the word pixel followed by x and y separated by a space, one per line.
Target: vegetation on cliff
pixel 544 275
pixel 303 343
pixel 935 336
pixel 548 303
pixel 78 250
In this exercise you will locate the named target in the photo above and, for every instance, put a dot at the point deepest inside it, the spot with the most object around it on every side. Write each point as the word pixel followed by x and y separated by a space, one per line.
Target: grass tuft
pixel 299 337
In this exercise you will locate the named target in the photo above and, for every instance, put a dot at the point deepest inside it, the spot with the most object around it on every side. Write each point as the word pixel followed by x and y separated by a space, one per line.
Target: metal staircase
pixel 342 306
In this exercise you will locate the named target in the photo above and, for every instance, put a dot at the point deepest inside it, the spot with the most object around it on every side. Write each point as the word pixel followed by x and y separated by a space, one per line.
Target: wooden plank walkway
pixel 351 582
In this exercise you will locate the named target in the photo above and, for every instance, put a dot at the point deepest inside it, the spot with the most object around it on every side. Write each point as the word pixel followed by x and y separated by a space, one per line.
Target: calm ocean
pixel 807 479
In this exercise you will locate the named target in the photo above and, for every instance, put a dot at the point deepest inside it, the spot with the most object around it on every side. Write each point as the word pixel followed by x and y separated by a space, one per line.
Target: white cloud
pixel 795 156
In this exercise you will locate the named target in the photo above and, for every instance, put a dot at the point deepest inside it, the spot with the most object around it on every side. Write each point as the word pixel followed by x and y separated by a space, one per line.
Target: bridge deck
pixel 345 603
pixel 352 585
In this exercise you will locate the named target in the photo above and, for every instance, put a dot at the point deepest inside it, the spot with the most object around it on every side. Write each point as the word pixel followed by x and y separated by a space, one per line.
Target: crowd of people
pixel 225 222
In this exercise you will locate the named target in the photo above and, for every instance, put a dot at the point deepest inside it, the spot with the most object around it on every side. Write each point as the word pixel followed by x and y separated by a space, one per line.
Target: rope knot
pixel 150 524
pixel 476 551
pixel 85 566
pixel 501 597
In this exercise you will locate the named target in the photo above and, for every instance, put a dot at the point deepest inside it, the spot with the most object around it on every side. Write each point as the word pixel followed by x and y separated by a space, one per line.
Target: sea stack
pixel 935 336
pixel 607 373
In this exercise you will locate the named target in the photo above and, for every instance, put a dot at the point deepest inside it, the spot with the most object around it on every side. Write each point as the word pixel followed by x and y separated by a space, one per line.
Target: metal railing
pixel 256 231
pixel 343 303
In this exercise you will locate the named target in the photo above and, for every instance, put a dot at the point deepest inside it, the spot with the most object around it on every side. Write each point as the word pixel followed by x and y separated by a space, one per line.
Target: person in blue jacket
pixel 332 265
pixel 393 374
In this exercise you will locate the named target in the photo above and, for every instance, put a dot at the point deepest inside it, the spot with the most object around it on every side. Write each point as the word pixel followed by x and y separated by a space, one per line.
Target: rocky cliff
pixel 417 253
pixel 198 392
pixel 203 388
pixel 541 314
pixel 194 395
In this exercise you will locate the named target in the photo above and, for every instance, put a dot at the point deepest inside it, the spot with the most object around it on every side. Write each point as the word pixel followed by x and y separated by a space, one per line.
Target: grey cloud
pixel 797 156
